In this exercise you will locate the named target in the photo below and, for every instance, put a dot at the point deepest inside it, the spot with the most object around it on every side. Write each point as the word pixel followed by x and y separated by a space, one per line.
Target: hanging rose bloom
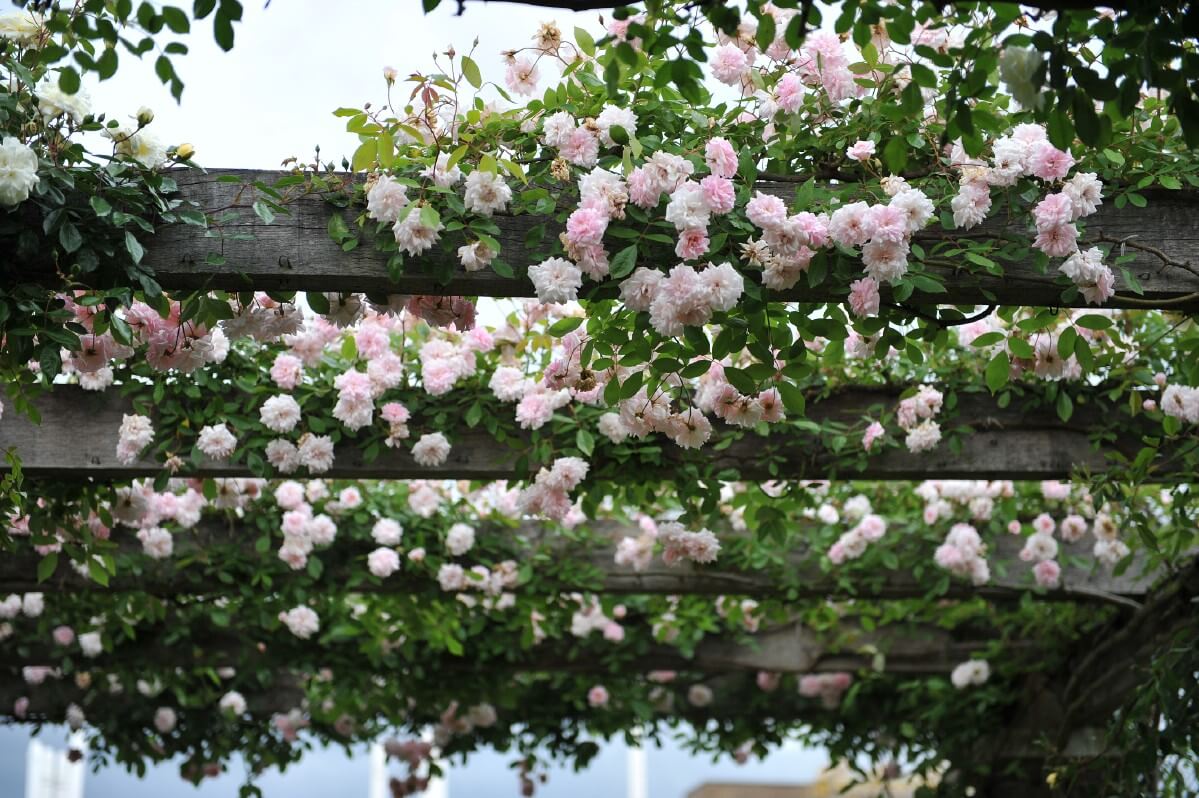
pixel 216 441
pixel 383 562
pixel 431 450
pixel 861 150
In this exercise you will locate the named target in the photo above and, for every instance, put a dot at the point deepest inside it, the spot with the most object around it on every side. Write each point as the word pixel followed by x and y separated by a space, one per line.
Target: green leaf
pixel 987 339
pixel 633 384
pixel 1065 342
pixel 740 380
pixel 365 155
pixel 923 76
pixel 562 326
pixel 97 572
pixel 68 80
pixel 100 206
pixel 474 415
pixel 1020 348
pixel 222 25
pixel 70 237
pixel 263 211
pixel 585 441
pixel 895 155
pixel 998 371
pixel 338 230
pixel 45 568
pixel 585 41
pixel 175 19
pixel 766 30
pixel 612 392
pixel 623 263
pixel 1065 407
pixel 134 247
pixel 120 330
pixel 470 70
pixel 429 217
pixel 793 398
pixel 318 302
pixel 1093 321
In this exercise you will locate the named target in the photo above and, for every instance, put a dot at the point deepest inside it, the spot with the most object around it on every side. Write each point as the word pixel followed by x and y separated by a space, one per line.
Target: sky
pixel 295 62
pixel 270 98
pixel 671 772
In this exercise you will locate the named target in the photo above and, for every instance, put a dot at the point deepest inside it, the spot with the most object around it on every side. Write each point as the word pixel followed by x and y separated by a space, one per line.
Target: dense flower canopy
pixel 673 484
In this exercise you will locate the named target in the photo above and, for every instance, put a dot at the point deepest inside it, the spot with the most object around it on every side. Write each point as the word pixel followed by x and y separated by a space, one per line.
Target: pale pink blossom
pixel 720 157
pixel 863 297
pixel 287 371
pixel 280 413
pixel 597 697
pixel 1057 241
pixel 861 150
pixel 521 77
pixel 872 434
pixel 718 193
pixel 216 441
pixel 789 93
pixel 431 450
pixel 1048 574
pixel 692 244
pixel 1048 162
pixel 729 64
pixel 385 199
pixel 581 148
pixel 766 211
pixel 486 193
pixel 1053 210
pixel 852 225
pixel 586 226
pixel 383 562
pixel 557 280
pixel 303 622
pixel 1073 527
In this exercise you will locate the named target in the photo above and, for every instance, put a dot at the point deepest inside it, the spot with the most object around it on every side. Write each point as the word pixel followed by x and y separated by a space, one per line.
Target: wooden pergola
pixel 1021 441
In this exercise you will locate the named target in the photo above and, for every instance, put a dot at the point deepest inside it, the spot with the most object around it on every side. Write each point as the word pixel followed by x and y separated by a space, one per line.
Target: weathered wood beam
pixel 78 436
pixel 1012 578
pixel 911 649
pixel 295 253
pixel 1118 659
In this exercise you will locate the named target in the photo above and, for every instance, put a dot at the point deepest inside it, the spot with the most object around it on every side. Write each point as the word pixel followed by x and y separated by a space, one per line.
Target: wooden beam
pixel 911 649
pixel 295 253
pixel 1012 579
pixel 1119 658
pixel 78 436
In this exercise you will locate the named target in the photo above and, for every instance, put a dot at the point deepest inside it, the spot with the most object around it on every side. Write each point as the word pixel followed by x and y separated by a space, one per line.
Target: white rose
pixel 53 101
pixel 20 26
pixel 18 172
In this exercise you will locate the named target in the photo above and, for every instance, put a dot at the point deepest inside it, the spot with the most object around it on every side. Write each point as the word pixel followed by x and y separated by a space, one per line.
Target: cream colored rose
pixel 18 172
pixel 20 26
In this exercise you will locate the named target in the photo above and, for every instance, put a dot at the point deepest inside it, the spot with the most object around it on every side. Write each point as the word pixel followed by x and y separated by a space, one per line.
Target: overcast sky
pixel 298 60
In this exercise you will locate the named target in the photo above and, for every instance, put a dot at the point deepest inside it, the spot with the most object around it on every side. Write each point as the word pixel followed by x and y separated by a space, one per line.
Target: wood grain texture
pixel 295 253
pixel 78 436
pixel 1081 579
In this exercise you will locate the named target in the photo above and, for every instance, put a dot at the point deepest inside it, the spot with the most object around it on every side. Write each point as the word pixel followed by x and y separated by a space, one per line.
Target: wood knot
pixel 284 262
